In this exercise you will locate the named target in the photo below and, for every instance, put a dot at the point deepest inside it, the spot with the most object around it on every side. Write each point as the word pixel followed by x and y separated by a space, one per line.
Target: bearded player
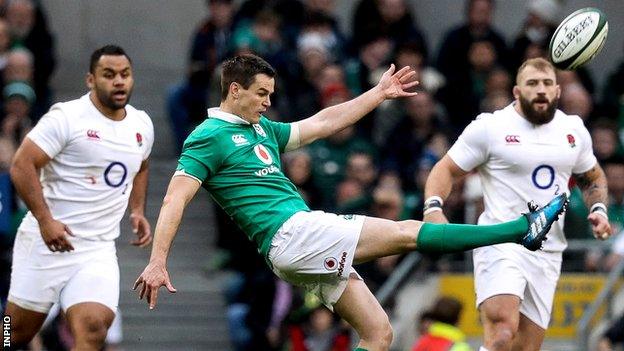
pixel 528 150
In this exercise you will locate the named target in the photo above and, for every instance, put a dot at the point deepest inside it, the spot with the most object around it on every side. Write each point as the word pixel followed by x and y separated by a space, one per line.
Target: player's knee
pixel 386 336
pixel 408 230
pixel 503 336
pixel 92 330
pixel 379 334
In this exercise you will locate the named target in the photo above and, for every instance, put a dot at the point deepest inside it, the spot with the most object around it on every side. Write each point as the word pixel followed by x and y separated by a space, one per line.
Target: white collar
pixel 216 112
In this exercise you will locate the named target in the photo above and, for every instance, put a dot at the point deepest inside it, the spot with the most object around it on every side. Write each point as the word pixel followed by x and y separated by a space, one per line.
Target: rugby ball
pixel 579 38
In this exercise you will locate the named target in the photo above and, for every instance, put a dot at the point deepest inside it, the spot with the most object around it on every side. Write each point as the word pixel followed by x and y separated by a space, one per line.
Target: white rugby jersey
pixel 94 161
pixel 518 162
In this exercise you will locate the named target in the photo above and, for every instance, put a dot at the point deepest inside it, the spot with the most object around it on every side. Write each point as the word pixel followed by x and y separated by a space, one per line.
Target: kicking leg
pixel 360 309
pixel 381 237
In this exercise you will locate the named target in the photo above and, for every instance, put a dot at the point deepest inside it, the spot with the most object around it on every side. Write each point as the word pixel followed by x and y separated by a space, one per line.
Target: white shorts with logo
pixel 511 269
pixel 40 277
pixel 315 250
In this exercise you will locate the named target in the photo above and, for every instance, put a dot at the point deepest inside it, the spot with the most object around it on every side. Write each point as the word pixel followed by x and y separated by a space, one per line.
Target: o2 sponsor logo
pixel 113 180
pixel 543 177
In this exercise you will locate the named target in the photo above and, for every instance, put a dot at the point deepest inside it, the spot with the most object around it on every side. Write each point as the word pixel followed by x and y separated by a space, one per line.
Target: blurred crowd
pixel 377 167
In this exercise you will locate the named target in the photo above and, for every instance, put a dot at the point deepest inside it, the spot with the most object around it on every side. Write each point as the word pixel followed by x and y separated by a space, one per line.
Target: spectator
pixel 443 333
pixel 361 168
pixel 605 139
pixel 363 71
pixel 614 170
pixel 330 155
pixel 575 100
pixel 5 43
pixel 18 100
pixel 29 29
pixel 412 54
pixel 298 167
pixel 187 101
pixel 453 55
pixel 262 35
pixel 497 91
pixel 387 203
pixel 325 27
pixel 464 93
pixel 538 27
pixel 290 12
pixel 355 192
pixel 389 18
pixel 313 55
pixel 320 331
pixel 613 95
pixel 407 140
pixel 19 66
pixel 388 115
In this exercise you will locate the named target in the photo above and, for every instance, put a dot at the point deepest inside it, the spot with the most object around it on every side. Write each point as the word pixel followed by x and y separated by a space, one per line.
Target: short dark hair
pixel 242 69
pixel 446 309
pixel 113 50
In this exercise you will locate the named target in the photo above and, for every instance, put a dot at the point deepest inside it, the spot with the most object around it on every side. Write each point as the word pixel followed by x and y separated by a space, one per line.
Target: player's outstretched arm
pixel 28 160
pixel 180 192
pixel 140 224
pixel 439 183
pixel 332 119
pixel 593 183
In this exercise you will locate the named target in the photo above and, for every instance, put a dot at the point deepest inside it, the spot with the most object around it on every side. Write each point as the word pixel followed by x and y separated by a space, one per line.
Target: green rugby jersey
pixel 239 164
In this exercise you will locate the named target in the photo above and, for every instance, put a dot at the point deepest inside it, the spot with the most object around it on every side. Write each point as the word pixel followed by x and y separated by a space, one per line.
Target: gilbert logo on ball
pixel 579 38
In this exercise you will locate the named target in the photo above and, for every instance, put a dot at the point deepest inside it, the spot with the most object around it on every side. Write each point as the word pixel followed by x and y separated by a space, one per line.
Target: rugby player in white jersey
pixel 234 154
pixel 77 171
pixel 526 151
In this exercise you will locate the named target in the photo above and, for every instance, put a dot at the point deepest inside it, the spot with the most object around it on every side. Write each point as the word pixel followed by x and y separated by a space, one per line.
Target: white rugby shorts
pixel 511 269
pixel 315 250
pixel 40 277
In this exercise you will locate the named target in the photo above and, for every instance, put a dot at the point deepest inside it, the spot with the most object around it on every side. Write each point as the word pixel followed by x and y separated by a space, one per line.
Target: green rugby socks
pixel 443 238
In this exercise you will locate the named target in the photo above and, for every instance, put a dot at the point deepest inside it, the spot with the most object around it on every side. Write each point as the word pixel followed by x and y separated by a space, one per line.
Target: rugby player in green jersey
pixel 235 155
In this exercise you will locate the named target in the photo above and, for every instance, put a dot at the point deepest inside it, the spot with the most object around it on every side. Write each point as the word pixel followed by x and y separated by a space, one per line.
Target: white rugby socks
pixel 483 349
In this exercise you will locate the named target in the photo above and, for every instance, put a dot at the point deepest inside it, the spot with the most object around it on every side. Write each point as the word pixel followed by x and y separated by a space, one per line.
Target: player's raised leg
pixel 380 237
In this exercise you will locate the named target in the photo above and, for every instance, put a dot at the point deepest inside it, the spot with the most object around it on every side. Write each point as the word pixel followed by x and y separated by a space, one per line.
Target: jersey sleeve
pixel 586 159
pixel 149 136
pixel 52 132
pixel 281 132
pixel 200 158
pixel 471 148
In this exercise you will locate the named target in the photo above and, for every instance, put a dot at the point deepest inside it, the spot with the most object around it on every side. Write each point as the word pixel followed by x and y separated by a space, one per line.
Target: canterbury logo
pixel 93 134
pixel 239 139
pixel 539 225
pixel 511 139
